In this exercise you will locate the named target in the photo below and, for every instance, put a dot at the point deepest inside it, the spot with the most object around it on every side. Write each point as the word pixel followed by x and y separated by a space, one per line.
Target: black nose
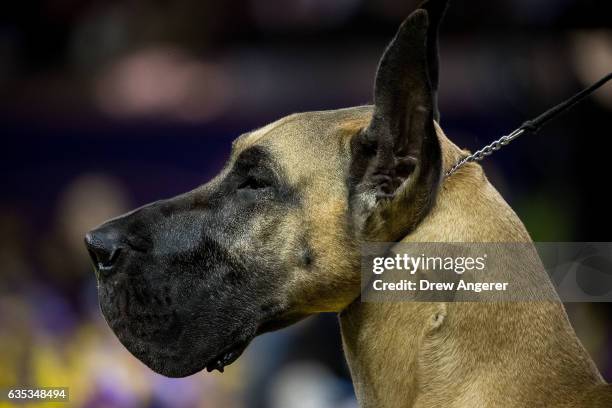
pixel 104 246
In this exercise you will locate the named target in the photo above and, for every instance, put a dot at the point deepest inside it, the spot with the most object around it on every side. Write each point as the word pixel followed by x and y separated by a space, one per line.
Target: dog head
pixel 186 283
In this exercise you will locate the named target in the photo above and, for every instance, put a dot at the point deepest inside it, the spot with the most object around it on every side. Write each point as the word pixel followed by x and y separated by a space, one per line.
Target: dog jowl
pixel 186 283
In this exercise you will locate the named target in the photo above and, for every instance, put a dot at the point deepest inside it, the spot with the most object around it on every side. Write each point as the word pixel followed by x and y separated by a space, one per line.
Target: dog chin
pixel 159 339
pixel 169 368
pixel 169 360
pixel 182 364
pixel 176 360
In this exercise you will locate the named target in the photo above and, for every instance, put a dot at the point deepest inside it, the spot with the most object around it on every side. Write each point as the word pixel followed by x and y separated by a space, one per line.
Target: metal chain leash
pixel 486 151
pixel 531 126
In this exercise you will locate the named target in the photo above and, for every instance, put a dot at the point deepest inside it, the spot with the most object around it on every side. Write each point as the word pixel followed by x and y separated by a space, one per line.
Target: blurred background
pixel 107 105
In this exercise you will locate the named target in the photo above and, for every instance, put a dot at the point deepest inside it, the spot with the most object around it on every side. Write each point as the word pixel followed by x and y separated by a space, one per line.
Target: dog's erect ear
pixel 397 159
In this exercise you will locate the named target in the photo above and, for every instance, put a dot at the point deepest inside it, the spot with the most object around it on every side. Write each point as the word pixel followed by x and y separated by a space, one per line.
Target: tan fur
pixel 481 355
pixel 420 354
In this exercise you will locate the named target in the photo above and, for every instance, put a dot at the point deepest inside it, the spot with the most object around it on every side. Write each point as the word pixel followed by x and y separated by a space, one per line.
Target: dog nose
pixel 104 246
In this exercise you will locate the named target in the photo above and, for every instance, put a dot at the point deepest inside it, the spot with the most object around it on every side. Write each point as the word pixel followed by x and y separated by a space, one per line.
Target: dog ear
pixel 397 164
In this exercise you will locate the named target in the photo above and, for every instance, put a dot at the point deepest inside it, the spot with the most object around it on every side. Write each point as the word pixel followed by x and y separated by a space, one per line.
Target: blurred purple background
pixel 107 105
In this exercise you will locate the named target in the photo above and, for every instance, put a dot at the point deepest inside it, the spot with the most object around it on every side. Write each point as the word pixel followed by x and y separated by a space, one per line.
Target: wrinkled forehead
pixel 309 140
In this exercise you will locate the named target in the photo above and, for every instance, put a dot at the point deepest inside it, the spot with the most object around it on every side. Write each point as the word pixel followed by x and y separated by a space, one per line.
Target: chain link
pixel 487 150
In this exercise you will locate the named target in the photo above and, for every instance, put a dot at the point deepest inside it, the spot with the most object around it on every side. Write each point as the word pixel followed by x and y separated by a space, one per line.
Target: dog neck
pixel 410 354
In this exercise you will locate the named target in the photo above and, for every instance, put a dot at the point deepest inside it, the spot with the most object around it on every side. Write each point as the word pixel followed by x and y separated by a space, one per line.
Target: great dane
pixel 186 283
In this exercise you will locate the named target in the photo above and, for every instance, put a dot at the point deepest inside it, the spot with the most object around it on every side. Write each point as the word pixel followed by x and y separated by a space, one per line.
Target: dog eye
pixel 254 183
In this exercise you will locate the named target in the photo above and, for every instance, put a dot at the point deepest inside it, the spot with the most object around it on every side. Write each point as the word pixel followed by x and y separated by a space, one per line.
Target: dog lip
pixel 226 357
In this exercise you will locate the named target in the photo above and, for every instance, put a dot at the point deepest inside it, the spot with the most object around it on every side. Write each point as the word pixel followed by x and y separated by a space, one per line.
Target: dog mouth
pixel 157 335
pixel 164 348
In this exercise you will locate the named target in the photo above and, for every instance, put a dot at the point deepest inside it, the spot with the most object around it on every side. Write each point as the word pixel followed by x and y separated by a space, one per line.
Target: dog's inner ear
pixel 397 161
